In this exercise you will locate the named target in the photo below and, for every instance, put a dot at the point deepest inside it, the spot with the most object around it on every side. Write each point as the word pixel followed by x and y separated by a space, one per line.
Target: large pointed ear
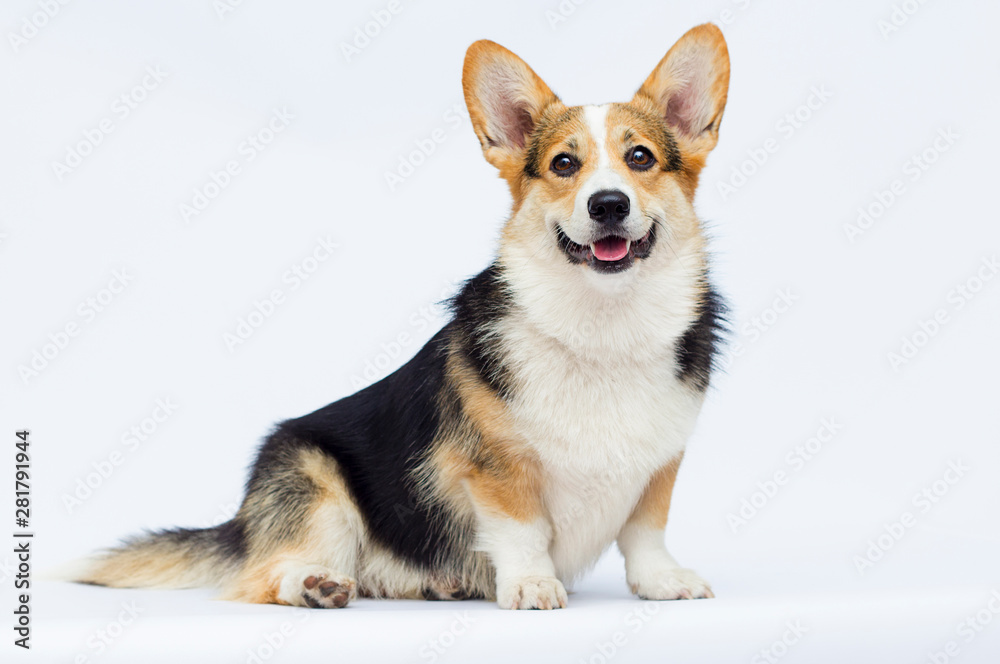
pixel 505 99
pixel 690 85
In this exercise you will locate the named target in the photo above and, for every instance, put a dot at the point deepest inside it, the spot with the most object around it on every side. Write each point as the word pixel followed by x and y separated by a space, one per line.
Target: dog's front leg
pixel 651 572
pixel 513 530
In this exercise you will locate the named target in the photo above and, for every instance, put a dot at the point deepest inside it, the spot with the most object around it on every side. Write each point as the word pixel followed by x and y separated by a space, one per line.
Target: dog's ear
pixel 689 87
pixel 505 99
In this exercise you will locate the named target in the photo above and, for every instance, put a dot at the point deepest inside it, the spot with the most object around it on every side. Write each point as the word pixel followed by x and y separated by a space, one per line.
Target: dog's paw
pixel 670 583
pixel 328 592
pixel 531 592
pixel 444 587
pixel 317 587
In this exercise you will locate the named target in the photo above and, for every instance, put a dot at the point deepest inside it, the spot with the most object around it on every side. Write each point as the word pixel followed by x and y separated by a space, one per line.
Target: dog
pixel 549 416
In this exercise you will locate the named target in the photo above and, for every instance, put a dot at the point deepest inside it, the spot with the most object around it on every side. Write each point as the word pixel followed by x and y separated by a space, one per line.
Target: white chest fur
pixel 601 429
pixel 596 396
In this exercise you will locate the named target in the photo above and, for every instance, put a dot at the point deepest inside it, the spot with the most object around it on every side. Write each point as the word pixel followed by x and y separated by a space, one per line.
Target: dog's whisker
pixel 666 229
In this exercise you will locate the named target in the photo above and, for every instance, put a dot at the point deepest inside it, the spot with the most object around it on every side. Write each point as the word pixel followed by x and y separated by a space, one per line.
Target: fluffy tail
pixel 180 558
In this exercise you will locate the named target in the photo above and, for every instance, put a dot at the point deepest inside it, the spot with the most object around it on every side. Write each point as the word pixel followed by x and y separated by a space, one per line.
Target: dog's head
pixel 602 185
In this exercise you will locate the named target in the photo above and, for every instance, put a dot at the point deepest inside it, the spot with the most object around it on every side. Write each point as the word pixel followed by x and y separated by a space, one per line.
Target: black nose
pixel 608 206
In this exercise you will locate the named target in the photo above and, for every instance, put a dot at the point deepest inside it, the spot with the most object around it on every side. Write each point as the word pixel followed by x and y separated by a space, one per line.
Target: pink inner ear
pixel 680 112
pixel 521 125
pixel 689 107
pixel 508 112
pixel 511 121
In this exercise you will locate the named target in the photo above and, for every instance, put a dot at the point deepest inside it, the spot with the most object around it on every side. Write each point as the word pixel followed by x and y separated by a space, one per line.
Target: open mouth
pixel 611 253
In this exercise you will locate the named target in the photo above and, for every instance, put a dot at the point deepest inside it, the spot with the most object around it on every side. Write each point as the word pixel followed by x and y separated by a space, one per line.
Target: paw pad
pixel 323 593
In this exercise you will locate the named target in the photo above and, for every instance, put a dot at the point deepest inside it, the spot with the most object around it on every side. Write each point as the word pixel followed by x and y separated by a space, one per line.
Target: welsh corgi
pixel 546 420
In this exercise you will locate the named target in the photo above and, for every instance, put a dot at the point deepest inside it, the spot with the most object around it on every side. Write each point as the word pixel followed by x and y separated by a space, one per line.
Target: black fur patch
pixel 378 436
pixel 700 345
pixel 483 300
pixel 227 541
pixel 232 539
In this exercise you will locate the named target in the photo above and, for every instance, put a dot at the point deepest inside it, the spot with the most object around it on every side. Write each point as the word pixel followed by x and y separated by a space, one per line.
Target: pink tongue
pixel 611 249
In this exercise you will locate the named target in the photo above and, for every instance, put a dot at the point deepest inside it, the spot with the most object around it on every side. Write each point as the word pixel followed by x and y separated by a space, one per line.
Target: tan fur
pixel 325 474
pixel 561 130
pixel 654 506
pixel 327 527
pixel 482 407
pixel 637 123
pixel 498 471
pixel 257 583
pixel 152 565
pixel 508 486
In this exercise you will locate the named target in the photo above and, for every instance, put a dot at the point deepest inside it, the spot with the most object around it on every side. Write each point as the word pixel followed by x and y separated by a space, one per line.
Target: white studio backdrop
pixel 215 215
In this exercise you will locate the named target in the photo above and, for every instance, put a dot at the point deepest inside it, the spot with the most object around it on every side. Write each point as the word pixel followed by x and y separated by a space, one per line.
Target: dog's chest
pixel 600 432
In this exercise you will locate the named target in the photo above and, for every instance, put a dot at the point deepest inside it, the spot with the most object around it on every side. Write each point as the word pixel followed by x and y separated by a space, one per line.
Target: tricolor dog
pixel 546 420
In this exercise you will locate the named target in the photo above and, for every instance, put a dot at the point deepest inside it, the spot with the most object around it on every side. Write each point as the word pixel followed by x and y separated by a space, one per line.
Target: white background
pixel 783 230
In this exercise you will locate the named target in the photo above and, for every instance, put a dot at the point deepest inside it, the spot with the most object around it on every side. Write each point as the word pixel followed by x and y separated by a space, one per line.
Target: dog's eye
pixel 563 165
pixel 640 158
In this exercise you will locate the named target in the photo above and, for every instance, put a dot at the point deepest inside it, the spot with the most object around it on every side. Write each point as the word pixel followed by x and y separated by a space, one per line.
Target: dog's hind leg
pixel 304 533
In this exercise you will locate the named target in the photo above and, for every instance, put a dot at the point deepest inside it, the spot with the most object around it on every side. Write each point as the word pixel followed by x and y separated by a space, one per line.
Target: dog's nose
pixel 608 206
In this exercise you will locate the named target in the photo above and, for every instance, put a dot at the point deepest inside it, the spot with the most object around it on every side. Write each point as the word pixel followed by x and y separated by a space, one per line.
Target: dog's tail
pixel 178 558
